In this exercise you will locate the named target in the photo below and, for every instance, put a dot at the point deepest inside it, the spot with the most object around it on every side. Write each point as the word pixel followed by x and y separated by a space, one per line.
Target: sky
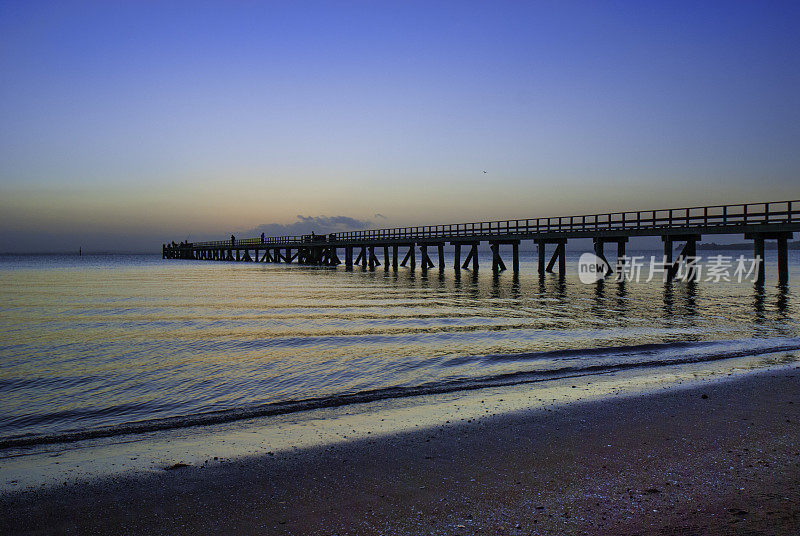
pixel 131 123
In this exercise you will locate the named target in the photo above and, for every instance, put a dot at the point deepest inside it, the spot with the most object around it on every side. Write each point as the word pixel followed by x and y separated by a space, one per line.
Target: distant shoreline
pixel 771 245
pixel 75 254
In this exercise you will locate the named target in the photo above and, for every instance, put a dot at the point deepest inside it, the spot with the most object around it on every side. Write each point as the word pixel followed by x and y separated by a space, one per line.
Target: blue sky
pixel 142 122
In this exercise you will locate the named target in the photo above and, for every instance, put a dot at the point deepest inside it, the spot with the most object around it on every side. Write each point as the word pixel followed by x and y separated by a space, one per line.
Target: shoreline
pixel 46 465
pixel 389 395
pixel 663 461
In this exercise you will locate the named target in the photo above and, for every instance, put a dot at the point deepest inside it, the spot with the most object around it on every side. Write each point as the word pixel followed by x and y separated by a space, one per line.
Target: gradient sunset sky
pixel 127 124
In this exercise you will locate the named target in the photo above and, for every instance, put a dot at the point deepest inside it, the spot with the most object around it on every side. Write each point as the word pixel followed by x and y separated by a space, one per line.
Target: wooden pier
pixel 758 222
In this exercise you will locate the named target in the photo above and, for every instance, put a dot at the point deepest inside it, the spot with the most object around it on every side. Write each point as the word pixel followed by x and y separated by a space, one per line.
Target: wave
pixel 631 357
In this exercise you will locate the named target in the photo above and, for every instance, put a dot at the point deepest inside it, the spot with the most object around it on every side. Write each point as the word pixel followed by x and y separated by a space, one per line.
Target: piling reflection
pixel 758 303
pixel 668 297
pixel 782 301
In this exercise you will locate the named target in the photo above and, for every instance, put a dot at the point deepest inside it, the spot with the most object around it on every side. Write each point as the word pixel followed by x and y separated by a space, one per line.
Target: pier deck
pixel 758 222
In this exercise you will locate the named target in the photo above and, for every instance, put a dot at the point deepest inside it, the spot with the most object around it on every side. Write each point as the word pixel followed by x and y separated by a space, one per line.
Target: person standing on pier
pixel 262 238
pixel 233 240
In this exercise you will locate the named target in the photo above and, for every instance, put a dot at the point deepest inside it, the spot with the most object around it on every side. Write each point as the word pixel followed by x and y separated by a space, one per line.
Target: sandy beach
pixel 716 458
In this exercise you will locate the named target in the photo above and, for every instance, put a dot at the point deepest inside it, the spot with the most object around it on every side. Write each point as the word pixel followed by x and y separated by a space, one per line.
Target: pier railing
pixel 687 217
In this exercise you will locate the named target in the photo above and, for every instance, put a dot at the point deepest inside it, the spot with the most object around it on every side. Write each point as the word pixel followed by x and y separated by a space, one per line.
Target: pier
pixel 399 247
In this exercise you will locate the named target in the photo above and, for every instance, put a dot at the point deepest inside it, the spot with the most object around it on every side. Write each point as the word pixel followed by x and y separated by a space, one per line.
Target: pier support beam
pixel 783 261
pixel 599 242
pixel 497 261
pixel 395 247
pixel 373 260
pixel 559 256
pixel 540 246
pixel 687 256
pixel 348 257
pixel 472 256
pixel 385 258
pixel 410 256
pixel 758 255
pixel 425 260
pixel 332 259
pixel 456 255
pixel 782 238
pixel 515 257
pixel 598 252
pixel 667 257
pixel 362 257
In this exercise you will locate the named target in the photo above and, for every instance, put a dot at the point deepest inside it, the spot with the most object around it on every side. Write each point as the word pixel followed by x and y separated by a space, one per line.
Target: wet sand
pixel 716 458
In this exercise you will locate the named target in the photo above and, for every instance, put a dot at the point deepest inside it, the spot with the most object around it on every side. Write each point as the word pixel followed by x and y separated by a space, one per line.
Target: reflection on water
pixel 91 342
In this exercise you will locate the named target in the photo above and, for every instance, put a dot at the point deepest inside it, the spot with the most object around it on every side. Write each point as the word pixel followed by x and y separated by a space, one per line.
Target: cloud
pixel 309 224
pixel 379 216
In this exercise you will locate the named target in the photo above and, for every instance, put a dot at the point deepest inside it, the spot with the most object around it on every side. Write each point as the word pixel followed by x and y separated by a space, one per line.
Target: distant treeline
pixel 747 246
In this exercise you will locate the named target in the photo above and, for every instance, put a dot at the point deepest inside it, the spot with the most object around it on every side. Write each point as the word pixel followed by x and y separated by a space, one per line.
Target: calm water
pixel 111 344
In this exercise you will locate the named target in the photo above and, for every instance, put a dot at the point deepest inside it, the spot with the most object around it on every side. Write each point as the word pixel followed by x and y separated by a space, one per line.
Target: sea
pixel 104 346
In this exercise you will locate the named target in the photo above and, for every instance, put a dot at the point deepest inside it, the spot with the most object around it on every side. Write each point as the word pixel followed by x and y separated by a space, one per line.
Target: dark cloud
pixel 309 224
pixel 379 216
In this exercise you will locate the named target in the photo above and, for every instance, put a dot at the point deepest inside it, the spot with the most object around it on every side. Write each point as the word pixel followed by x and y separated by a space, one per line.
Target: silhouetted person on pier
pixel 262 238
pixel 233 240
